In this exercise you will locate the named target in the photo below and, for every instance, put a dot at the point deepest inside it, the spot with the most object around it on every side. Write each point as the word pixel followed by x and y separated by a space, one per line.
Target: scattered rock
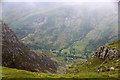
pixel 112 68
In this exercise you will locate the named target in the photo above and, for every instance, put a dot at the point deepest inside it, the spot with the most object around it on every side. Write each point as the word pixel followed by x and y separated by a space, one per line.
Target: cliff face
pixel 16 55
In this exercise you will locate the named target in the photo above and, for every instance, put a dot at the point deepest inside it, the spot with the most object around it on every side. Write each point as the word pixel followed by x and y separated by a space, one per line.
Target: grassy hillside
pixel 95 64
pixel 15 73
pixel 114 45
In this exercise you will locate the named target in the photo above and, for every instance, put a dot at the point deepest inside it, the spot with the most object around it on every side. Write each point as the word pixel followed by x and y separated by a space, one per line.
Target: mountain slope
pixel 106 60
pixel 73 31
pixel 88 69
pixel 16 55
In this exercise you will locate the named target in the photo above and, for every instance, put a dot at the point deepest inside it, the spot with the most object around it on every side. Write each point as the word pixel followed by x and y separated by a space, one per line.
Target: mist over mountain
pixel 60 40
pixel 70 30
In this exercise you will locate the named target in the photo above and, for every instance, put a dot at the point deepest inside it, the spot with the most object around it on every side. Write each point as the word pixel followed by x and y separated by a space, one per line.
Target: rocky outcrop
pixel 16 55
pixel 105 59
pixel 110 57
pixel 105 52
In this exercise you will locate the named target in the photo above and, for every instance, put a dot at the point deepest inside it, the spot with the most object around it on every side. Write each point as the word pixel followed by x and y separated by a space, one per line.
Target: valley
pixel 63 28
pixel 53 40
pixel 84 69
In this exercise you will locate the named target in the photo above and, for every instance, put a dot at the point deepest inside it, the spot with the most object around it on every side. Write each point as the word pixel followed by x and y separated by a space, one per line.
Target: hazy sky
pixel 60 0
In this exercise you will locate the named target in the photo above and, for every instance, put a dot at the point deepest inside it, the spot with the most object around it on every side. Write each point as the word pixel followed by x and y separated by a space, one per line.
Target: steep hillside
pixel 16 55
pixel 106 60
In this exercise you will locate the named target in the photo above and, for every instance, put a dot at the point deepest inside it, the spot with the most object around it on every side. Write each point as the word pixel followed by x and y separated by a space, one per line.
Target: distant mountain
pixel 71 31
pixel 16 55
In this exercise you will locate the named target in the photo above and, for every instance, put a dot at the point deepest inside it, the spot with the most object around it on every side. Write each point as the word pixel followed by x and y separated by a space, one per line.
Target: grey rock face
pixel 105 52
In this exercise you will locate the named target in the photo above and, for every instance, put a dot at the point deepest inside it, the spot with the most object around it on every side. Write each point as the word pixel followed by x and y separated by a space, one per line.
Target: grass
pixel 15 73
pixel 115 45
pixel 90 71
